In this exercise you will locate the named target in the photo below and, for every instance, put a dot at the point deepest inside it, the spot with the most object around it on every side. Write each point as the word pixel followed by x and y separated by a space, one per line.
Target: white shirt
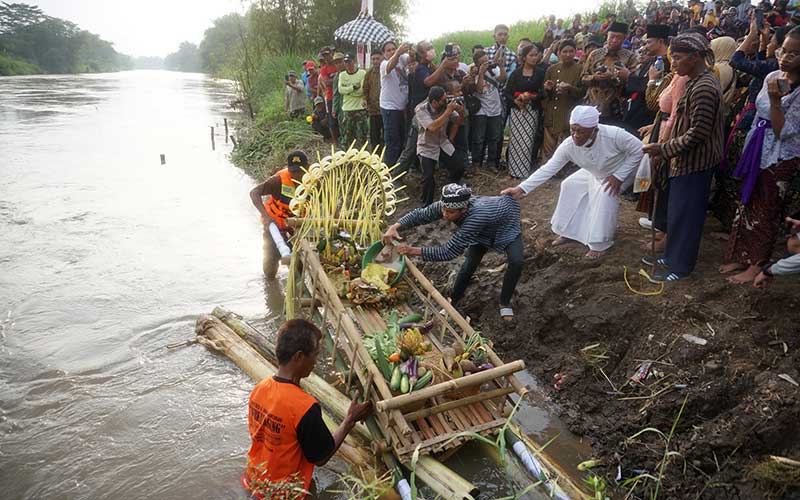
pixel 394 86
pixel 614 152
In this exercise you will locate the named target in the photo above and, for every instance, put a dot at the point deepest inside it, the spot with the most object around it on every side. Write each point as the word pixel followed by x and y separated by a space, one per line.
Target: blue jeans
pixel 486 132
pixel 394 134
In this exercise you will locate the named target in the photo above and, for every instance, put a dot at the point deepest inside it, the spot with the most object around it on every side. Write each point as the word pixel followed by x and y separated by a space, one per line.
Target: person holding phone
pixel 355 121
pixel 771 157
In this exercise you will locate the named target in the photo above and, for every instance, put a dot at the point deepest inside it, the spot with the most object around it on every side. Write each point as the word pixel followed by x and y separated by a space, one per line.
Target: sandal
pixel 507 313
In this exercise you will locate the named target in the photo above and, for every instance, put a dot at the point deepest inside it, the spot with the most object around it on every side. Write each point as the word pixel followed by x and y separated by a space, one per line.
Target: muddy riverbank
pixel 577 321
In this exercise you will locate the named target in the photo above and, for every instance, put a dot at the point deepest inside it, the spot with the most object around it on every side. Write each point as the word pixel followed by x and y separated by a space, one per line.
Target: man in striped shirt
pixel 692 151
pixel 484 223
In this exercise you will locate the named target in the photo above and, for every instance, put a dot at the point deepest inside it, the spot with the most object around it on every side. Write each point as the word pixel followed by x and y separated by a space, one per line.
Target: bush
pixel 10 66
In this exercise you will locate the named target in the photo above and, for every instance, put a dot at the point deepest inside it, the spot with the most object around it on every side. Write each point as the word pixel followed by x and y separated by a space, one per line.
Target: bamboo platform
pixel 436 418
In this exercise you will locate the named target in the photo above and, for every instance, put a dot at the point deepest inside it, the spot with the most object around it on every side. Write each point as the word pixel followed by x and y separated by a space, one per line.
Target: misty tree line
pixel 33 42
pixel 274 27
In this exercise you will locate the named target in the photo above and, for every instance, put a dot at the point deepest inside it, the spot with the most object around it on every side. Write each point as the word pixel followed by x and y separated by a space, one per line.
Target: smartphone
pixel 760 18
pixel 783 86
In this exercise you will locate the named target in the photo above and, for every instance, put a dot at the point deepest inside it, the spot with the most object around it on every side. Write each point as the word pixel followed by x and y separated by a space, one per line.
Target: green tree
pixel 54 45
pixel 187 58
pixel 221 43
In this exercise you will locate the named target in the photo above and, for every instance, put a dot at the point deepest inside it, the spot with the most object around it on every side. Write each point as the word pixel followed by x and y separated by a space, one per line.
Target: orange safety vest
pixel 278 208
pixel 276 409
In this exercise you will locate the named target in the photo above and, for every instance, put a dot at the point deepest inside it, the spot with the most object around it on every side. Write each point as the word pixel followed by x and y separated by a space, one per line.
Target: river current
pixel 106 258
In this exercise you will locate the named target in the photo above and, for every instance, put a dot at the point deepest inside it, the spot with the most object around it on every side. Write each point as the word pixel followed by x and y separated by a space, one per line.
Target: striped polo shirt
pixel 491 221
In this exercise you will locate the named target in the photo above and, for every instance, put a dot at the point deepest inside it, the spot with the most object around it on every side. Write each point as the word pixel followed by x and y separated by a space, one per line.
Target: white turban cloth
pixel 584 116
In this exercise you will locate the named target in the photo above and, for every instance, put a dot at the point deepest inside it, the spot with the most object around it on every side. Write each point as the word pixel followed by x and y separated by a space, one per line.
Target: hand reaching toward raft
pixel 391 235
pixel 515 192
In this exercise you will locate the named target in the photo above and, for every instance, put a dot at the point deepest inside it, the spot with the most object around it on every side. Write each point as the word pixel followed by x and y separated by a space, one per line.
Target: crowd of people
pixel 700 101
pixel 702 96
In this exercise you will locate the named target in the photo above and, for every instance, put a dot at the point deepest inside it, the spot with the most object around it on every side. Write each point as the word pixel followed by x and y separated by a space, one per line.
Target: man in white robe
pixel 588 204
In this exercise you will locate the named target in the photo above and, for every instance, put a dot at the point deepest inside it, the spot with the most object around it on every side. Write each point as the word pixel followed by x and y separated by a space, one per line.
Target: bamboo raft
pixel 431 420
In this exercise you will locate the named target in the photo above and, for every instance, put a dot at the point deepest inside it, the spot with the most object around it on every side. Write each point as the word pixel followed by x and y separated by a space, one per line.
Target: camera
pixel 456 99
pixel 601 69
pixel 491 66
pixel 450 50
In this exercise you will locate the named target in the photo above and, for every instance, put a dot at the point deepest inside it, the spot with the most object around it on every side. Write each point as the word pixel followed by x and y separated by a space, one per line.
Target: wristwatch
pixel 766 270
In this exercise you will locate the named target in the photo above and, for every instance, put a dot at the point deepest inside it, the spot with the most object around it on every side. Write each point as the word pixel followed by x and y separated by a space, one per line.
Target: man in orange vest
pixel 280 189
pixel 287 433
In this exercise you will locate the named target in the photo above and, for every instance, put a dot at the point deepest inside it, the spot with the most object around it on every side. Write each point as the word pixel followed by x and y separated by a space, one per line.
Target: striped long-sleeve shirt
pixel 695 142
pixel 491 221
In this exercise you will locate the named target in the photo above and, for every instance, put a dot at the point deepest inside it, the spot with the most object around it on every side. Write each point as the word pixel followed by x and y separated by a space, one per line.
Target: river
pixel 106 257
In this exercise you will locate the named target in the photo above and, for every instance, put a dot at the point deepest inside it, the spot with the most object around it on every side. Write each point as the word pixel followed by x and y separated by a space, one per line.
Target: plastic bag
pixel 643 177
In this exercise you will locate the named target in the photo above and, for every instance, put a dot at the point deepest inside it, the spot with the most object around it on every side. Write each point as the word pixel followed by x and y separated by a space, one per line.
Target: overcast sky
pixel 157 27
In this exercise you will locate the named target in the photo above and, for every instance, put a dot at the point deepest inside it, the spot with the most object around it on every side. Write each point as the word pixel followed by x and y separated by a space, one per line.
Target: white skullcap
pixel 584 116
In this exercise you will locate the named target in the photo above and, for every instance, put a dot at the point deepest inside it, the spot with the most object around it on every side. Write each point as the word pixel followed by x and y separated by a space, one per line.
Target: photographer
pixel 487 122
pixel 426 75
pixel 434 142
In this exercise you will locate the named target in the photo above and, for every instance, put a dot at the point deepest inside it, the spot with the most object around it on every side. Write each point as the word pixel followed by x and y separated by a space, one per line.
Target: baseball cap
pixel 338 55
pixel 349 57
pixel 296 160
pixel 319 100
pixel 311 65
pixel 292 72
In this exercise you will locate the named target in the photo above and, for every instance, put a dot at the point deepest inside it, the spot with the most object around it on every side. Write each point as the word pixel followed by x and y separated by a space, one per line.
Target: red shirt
pixel 325 72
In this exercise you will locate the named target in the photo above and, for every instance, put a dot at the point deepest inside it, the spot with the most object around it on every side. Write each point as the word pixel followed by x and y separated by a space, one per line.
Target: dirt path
pixel 738 410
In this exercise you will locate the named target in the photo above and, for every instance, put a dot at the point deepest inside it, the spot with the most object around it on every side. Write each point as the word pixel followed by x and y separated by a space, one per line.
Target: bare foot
pixel 594 254
pixel 746 276
pixel 562 241
pixel 729 268
pixel 661 245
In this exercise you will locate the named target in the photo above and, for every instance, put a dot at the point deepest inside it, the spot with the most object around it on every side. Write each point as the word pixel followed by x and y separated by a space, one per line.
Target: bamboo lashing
pixel 460 321
pixel 450 385
pixel 355 339
pixel 457 403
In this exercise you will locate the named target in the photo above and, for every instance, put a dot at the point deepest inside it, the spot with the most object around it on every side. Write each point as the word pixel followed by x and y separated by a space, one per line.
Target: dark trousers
pixel 686 214
pixel 410 148
pixel 394 134
pixel 474 254
pixel 375 131
pixel 487 131
pixel 454 165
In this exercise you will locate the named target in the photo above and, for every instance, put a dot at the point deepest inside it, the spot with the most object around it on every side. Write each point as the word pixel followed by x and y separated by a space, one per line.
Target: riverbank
pixel 576 318
pixel 11 66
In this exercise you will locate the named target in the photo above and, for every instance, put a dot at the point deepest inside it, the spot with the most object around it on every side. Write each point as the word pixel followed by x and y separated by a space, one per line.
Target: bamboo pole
pixel 449 385
pixel 429 469
pixel 218 337
pixel 450 485
pixel 564 481
pixel 450 405
pixel 459 320
pixel 336 402
pixel 351 331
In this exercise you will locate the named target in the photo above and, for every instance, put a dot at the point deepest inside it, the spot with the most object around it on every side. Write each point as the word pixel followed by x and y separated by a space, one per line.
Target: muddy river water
pixel 106 257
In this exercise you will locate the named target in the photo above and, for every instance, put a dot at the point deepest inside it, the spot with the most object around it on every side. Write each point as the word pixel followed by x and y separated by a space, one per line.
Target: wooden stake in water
pixel 163 159
pixel 226 130
pixel 213 146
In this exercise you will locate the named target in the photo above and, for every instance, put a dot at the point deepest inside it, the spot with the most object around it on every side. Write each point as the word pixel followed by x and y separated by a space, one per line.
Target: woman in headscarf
pixel 723 48
pixel 770 160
